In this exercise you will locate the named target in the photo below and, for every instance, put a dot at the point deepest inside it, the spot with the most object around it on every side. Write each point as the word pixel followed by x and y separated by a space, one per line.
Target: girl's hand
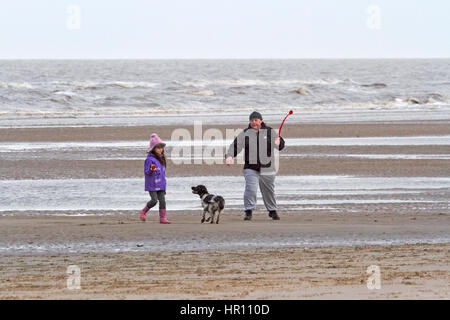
pixel 153 167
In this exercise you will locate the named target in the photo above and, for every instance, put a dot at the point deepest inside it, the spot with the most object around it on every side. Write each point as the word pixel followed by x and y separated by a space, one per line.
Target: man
pixel 259 142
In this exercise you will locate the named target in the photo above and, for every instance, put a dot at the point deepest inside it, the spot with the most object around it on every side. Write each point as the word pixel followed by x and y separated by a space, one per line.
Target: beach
pixel 407 272
pixel 363 183
pixel 145 270
pixel 345 205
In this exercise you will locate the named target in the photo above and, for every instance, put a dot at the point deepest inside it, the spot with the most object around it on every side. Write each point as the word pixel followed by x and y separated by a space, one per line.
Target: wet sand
pixel 99 229
pixel 305 130
pixel 93 169
pixel 408 271
pixel 47 168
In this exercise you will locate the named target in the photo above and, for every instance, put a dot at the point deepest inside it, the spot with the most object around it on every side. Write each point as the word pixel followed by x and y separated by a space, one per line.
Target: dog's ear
pixel 203 188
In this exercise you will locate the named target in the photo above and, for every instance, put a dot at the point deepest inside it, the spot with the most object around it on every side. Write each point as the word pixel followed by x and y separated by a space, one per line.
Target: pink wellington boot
pixel 144 213
pixel 162 216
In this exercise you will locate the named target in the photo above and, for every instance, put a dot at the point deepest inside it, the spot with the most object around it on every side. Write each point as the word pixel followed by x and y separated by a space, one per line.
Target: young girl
pixel 155 178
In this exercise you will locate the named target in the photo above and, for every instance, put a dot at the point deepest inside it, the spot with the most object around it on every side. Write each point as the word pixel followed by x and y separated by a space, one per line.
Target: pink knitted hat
pixel 154 141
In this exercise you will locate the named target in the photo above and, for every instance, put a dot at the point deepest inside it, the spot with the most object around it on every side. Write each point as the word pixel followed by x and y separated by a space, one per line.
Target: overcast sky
pixel 224 29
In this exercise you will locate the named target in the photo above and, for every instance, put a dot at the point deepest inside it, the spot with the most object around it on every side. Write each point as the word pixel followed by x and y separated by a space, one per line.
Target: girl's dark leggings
pixel 157 196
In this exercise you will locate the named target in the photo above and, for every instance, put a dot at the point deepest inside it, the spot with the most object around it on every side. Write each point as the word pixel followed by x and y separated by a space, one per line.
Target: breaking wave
pixel 262 83
pixel 97 85
pixel 16 85
pixel 68 108
pixel 65 93
pixel 132 84
pixel 202 93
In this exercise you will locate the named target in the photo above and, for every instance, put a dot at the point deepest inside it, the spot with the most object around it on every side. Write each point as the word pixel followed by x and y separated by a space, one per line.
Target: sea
pixel 36 93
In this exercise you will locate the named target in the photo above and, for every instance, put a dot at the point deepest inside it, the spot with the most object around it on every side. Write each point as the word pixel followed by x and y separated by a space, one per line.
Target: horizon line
pixel 222 58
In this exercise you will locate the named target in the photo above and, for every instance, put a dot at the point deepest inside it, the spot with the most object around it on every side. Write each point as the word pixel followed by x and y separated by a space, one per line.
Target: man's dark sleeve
pixel 281 146
pixel 233 149
pixel 236 146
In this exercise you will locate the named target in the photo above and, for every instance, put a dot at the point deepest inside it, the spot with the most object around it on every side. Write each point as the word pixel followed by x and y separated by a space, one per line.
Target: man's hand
pixel 277 141
pixel 229 161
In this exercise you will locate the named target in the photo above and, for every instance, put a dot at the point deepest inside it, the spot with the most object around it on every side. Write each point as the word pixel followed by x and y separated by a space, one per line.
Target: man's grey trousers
pixel 266 185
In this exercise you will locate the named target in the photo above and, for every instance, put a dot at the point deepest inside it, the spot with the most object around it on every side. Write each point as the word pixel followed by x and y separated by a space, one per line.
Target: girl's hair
pixel 161 158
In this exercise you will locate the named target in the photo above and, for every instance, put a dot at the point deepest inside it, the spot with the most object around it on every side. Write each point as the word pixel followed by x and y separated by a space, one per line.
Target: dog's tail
pixel 220 202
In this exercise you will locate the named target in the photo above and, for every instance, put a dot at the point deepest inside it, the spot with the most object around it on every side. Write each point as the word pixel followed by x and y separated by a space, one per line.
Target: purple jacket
pixel 154 180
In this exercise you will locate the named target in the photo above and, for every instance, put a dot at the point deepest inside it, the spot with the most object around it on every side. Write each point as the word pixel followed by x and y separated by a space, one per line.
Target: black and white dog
pixel 210 203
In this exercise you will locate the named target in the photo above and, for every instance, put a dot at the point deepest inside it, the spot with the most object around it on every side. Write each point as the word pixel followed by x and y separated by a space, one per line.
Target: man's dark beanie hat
pixel 255 115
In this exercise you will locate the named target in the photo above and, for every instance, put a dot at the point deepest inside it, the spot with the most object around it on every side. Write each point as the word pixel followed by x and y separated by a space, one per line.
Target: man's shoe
pixel 273 214
pixel 248 215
